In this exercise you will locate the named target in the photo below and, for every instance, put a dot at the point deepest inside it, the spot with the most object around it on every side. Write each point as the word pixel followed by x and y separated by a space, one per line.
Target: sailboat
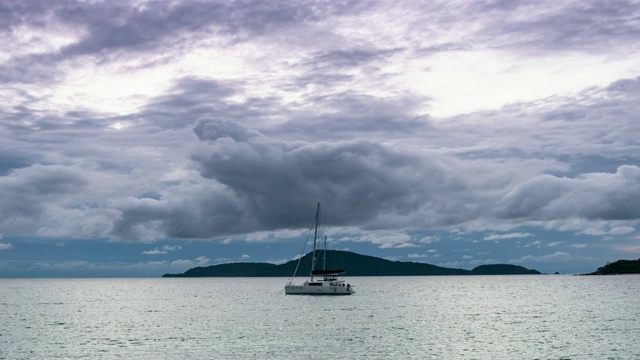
pixel 321 282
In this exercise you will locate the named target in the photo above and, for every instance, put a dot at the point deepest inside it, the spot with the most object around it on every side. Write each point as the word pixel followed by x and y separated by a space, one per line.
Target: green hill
pixel 619 267
pixel 353 264
pixel 502 269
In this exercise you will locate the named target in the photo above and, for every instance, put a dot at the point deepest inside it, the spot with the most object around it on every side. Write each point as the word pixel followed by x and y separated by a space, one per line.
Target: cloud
pixel 398 246
pixel 429 240
pixel 379 186
pixel 554 243
pixel 184 263
pixel 622 230
pixel 627 249
pixel 171 247
pixel 110 31
pixel 517 235
pixel 562 27
pixel 153 252
pixel 611 197
pixel 223 260
pixel 416 256
pixel 162 250
pixel 579 246
pixel 6 246
pixel 367 178
pixel 278 235
pixel 555 257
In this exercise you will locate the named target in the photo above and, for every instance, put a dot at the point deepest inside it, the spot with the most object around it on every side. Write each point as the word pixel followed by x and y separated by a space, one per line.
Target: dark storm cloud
pixel 187 99
pixel 362 176
pixel 348 115
pixel 596 196
pixel 370 185
pixel 26 193
pixel 188 210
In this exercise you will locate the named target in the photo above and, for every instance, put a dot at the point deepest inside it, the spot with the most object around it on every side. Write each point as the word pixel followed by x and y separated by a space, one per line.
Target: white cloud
pixel 621 230
pixel 183 263
pixel 534 243
pixel 516 235
pixel 579 246
pixel 416 256
pixel 153 252
pixel 429 239
pixel 405 245
pixel 262 236
pixel 554 243
pixel 223 260
pixel 245 257
pixel 453 264
pixel 627 249
pixel 398 246
pixel 557 256
pixel 164 249
pixel 6 246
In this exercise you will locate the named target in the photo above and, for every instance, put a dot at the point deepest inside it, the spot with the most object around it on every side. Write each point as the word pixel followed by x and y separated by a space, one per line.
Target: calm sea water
pixel 482 317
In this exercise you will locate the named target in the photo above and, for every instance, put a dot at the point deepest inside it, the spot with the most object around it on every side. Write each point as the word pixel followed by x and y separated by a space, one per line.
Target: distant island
pixel 353 264
pixel 618 268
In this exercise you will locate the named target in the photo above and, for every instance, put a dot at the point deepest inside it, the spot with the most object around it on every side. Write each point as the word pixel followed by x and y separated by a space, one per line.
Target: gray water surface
pixel 453 317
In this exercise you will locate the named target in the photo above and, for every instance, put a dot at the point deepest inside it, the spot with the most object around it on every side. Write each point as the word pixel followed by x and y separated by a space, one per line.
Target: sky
pixel 139 138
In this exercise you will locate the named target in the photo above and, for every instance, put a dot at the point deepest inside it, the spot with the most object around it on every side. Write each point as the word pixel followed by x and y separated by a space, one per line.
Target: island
pixel 353 264
pixel 618 268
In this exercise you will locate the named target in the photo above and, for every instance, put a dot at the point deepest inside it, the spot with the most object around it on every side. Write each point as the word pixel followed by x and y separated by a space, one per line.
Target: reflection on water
pixel 482 317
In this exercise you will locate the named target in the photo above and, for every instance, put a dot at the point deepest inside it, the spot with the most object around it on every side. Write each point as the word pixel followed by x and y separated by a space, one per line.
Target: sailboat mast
pixel 315 238
pixel 324 267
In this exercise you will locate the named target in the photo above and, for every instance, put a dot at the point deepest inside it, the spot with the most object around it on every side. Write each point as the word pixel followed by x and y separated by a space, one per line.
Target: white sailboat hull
pixel 306 289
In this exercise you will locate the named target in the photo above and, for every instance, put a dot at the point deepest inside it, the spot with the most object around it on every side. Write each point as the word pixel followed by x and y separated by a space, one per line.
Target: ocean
pixel 448 317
